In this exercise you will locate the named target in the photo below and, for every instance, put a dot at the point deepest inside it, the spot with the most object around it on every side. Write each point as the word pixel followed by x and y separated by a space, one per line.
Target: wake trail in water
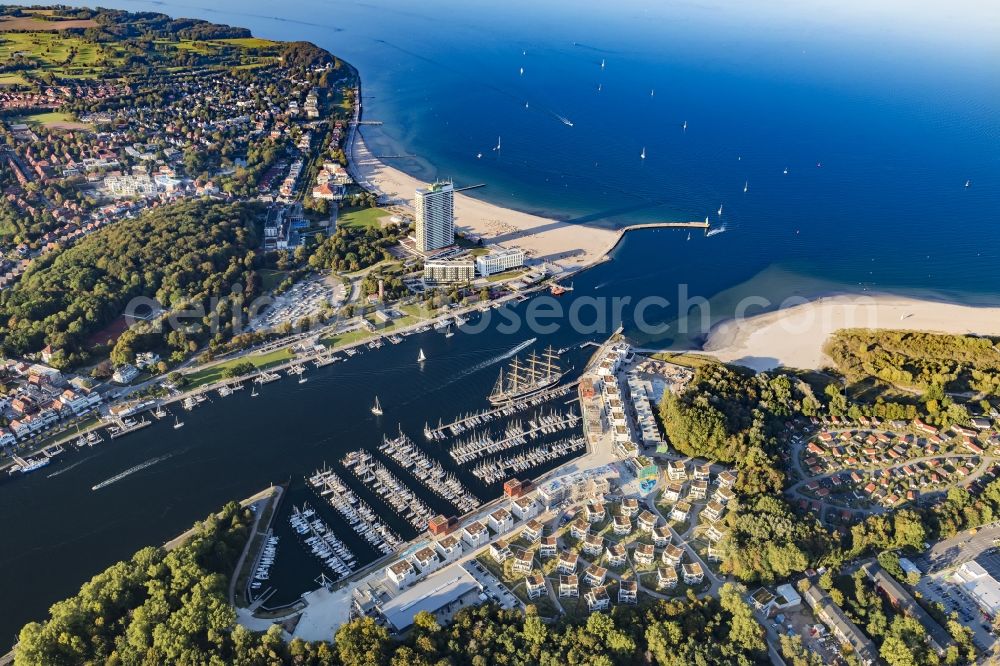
pixel 131 470
pixel 510 353
pixel 65 469
pixel 715 232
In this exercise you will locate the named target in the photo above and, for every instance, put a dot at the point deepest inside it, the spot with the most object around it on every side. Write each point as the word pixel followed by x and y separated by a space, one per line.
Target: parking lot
pixel 304 299
pixel 492 588
pixel 938 588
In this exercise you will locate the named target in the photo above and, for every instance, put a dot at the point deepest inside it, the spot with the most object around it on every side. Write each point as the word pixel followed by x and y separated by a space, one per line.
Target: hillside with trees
pixel 178 255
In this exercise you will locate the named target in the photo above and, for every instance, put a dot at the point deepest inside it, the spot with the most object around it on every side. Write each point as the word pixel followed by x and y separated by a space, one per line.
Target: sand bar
pixel 794 337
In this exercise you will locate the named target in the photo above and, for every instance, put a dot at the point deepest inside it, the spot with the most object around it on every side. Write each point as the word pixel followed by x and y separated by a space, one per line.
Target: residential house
pixel 661 536
pixel 672 555
pixel 500 551
pixel 533 530
pixel 426 559
pixel 595 512
pixel 475 534
pixel 547 547
pixel 579 529
pixel 713 511
pixel 676 470
pixel 525 507
pixel 617 555
pixel 593 544
pixel 501 521
pixel 703 472
pixel 567 562
pixel 672 492
pixel 569 585
pixel 644 554
pixel 629 507
pixel 449 548
pixel 693 573
pixel 622 526
pixel 597 599
pixel 523 560
pixel 666 578
pixel 698 490
pixel 628 591
pixel 535 585
pixel 595 575
pixel 401 574
pixel 647 521
pixel 680 512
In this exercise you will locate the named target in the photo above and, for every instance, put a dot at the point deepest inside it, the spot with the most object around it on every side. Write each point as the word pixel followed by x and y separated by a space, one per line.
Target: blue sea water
pixel 898 103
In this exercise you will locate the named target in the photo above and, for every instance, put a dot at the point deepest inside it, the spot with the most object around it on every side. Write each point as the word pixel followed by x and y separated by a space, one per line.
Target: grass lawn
pixel 346 338
pixel 49 118
pixel 506 275
pixel 248 42
pixel 363 217
pixel 270 278
pixel 260 361
pixel 12 78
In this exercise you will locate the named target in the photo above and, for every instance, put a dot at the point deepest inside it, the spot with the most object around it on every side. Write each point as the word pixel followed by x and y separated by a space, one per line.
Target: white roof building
pixel 979 585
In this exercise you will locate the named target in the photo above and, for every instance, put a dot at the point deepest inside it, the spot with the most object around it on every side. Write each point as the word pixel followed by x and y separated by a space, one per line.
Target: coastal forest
pixel 917 360
pixel 180 255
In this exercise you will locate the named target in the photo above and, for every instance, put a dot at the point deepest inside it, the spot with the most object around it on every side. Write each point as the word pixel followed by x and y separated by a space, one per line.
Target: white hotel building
pixel 499 260
pixel 435 223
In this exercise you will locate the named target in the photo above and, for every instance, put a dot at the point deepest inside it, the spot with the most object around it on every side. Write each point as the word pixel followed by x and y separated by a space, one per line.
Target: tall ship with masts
pixel 526 378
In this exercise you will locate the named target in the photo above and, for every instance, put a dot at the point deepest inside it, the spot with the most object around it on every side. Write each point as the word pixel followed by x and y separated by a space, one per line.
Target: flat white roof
pixel 431 594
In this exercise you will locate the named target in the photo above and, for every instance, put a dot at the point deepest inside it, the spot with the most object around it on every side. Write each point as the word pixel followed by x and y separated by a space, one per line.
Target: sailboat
pixel 642 155
pixel 522 71
pixel 652 93
pixel 253 392
pixel 526 105
pixel 685 126
pixel 689 235
pixel 302 379
pixel 720 210
pixel 602 63
pixel 746 186
pixel 599 85
pixel 448 332
pixel 497 149
pixel 377 408
pixel 421 357
pixel 178 424
pixel 479 156
pixel 786 171
pixel 968 183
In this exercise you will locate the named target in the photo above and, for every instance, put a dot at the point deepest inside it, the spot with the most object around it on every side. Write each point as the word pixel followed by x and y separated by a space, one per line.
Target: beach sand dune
pixel 794 337
pixel 566 247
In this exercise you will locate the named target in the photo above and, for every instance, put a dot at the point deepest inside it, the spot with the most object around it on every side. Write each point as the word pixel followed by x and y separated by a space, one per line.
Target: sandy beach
pixel 794 337
pixel 567 247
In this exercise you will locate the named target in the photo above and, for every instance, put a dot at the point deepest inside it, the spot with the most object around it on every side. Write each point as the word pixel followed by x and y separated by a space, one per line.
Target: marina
pixel 429 472
pixel 400 497
pixel 495 471
pixel 358 514
pixel 515 435
pixel 321 541
pixel 125 426
pixel 467 421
